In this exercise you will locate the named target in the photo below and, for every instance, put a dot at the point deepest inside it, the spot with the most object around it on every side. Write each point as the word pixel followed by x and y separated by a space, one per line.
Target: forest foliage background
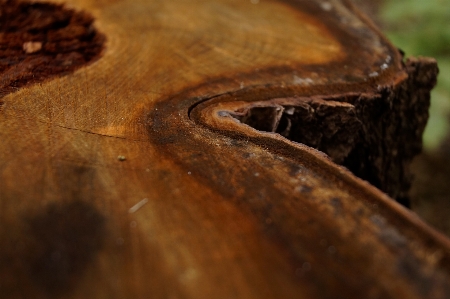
pixel 422 28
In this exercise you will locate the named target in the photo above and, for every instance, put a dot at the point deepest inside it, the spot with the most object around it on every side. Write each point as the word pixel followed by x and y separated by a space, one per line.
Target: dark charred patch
pixel 327 126
pixel 43 40
pixel 64 240
pixel 263 118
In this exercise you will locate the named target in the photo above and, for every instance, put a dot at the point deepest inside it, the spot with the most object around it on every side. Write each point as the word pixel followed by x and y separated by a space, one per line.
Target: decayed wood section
pixel 166 163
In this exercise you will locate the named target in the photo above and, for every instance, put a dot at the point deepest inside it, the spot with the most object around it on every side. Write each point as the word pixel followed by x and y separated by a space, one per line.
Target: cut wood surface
pixel 169 161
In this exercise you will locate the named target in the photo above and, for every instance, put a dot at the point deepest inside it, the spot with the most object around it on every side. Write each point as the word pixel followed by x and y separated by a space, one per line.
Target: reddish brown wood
pixel 135 176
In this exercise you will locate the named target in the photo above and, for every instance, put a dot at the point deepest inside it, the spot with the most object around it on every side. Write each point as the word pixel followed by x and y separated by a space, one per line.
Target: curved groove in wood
pixel 363 131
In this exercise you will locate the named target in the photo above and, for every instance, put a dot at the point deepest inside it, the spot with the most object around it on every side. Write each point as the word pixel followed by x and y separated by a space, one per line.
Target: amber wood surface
pixel 135 176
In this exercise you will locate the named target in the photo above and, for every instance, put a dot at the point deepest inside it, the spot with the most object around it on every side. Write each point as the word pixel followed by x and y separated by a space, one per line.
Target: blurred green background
pixel 422 28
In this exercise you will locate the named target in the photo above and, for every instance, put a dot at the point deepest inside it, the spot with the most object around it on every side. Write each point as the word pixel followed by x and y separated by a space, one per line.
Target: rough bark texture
pixel 375 136
pixel 393 132
pixel 135 177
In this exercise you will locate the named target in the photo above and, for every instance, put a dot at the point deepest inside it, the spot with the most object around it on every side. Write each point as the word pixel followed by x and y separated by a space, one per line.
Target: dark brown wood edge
pixel 296 151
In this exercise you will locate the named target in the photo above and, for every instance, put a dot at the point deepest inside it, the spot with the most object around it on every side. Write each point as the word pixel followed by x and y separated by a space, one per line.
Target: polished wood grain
pixel 130 178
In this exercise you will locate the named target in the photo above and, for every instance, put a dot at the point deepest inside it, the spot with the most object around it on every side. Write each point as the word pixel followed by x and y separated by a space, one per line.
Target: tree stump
pixel 175 149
